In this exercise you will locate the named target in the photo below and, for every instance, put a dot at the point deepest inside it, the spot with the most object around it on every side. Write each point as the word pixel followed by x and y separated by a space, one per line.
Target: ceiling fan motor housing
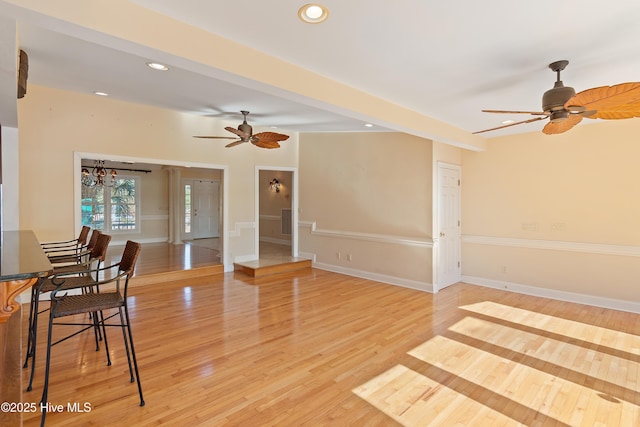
pixel 554 99
pixel 247 129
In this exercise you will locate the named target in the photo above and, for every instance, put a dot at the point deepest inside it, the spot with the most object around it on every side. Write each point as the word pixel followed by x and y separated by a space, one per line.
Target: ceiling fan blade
pixel 214 137
pixel 265 144
pixel 270 137
pixel 234 143
pixel 240 133
pixel 535 113
pixel 621 101
pixel 552 128
pixel 535 119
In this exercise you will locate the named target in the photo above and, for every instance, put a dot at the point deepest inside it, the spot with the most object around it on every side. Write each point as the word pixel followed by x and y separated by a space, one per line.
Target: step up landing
pixel 266 267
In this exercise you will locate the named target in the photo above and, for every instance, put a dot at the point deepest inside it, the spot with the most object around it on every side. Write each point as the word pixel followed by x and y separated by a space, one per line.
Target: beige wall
pixel 154 207
pixel 368 196
pixel 549 215
pixel 54 124
pixel 199 173
pixel 554 214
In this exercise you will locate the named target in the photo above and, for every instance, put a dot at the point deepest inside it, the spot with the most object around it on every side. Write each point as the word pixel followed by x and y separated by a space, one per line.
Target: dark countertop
pixel 21 256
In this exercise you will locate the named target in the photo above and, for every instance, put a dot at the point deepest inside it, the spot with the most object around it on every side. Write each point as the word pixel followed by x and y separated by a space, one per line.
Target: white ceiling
pixel 444 59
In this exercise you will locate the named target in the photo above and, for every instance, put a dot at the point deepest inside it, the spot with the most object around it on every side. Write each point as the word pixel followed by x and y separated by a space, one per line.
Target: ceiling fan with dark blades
pixel 245 133
pixel 565 109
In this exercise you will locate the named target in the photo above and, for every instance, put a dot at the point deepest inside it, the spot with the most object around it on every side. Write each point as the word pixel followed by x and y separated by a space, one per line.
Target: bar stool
pixel 97 303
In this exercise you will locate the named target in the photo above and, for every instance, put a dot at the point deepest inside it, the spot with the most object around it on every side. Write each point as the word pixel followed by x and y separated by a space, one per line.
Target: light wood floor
pixel 164 257
pixel 323 349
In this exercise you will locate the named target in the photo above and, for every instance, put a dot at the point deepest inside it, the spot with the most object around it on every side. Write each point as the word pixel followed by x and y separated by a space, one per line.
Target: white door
pixel 206 212
pixel 448 238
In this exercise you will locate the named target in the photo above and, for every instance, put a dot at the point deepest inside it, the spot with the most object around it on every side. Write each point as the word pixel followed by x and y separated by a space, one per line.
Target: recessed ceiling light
pixel 157 66
pixel 508 122
pixel 369 125
pixel 100 93
pixel 313 13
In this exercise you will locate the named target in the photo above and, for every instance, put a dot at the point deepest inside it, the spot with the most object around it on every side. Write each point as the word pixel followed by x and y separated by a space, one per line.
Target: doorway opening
pixel 201 205
pixel 276 203
pixel 201 210
pixel 160 209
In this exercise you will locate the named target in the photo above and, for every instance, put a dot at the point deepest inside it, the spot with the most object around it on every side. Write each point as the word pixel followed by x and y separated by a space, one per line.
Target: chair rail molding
pixel 371 237
pixel 556 245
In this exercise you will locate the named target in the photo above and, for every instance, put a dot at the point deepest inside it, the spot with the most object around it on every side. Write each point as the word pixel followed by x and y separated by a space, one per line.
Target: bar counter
pixel 22 263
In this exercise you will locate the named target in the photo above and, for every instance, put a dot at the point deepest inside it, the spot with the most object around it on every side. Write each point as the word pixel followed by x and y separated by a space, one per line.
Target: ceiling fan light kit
pixel 565 109
pixel 244 132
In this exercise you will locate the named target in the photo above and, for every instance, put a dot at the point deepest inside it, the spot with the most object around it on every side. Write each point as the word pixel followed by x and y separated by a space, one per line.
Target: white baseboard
pixel 142 241
pixel 577 298
pixel 391 280
pixel 245 258
pixel 307 255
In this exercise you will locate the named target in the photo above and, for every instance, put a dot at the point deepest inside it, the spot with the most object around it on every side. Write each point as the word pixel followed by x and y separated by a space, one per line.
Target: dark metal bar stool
pixel 97 303
pixel 77 276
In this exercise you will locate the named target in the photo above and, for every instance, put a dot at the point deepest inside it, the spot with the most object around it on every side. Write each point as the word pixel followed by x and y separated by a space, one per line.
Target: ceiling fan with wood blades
pixel 565 109
pixel 245 133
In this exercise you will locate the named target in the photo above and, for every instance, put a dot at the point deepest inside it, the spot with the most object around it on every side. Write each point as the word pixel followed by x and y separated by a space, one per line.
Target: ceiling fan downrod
pixel 554 99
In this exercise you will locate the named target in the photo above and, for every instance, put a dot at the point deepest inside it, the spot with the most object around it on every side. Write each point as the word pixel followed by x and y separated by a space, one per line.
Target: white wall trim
pixel 577 298
pixel 370 237
pixel 391 280
pixel 556 245
pixel 308 255
pixel 143 241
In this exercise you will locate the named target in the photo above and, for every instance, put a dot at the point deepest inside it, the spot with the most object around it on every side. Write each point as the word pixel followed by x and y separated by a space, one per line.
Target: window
pixel 112 209
pixel 187 208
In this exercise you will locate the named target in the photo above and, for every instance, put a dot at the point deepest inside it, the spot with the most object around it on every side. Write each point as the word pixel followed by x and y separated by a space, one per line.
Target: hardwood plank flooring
pixel 158 258
pixel 322 349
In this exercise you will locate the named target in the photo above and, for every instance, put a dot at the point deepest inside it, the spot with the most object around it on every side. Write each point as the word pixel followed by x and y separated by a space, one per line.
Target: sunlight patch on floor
pixel 507 366
pixel 413 399
pixel 567 328
pixel 587 362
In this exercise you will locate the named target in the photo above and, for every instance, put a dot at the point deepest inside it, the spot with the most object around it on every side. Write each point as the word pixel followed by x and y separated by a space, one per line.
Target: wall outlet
pixel 349 257
pixel 338 255
pixel 503 269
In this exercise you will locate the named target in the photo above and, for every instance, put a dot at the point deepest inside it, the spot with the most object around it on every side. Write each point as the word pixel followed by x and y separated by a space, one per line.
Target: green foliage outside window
pixel 120 202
